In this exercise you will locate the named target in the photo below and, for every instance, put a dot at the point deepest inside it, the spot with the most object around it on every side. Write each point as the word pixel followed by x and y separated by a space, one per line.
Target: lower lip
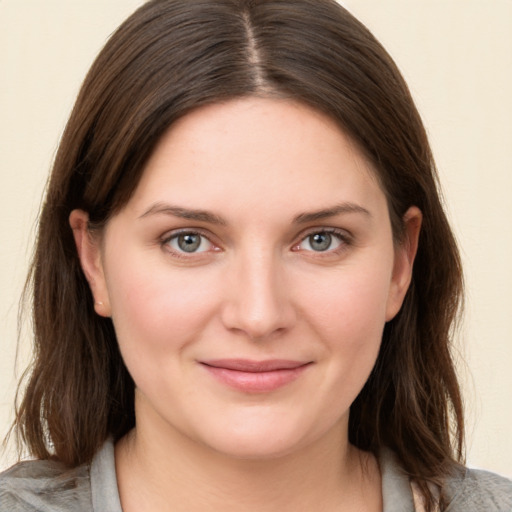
pixel 256 382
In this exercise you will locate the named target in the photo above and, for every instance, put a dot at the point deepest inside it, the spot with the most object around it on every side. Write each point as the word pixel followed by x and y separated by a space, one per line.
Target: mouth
pixel 255 376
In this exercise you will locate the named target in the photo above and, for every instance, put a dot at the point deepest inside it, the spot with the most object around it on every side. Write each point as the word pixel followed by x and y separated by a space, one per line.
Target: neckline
pixel 105 494
pixel 396 489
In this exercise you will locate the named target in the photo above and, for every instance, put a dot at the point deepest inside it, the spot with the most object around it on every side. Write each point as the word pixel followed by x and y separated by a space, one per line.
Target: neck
pixel 161 469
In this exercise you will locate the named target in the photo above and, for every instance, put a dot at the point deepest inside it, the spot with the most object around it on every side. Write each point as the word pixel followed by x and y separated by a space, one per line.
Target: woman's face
pixel 249 278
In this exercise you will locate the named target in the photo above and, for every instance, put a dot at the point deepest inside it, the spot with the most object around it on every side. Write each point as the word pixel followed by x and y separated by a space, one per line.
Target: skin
pixel 257 288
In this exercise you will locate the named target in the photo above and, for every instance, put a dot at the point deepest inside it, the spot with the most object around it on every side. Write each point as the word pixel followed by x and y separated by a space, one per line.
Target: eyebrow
pixel 211 218
pixel 325 213
pixel 184 213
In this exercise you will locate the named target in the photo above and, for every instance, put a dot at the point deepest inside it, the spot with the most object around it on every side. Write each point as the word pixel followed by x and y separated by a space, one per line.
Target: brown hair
pixel 171 57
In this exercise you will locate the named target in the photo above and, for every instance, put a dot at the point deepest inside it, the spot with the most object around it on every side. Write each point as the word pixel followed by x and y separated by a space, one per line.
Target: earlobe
pixel 405 253
pixel 89 254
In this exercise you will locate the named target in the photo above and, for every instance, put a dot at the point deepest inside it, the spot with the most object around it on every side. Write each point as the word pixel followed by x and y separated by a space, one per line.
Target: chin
pixel 262 437
pixel 261 446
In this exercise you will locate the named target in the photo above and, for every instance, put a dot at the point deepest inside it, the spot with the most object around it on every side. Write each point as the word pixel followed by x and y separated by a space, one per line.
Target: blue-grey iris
pixel 189 242
pixel 320 241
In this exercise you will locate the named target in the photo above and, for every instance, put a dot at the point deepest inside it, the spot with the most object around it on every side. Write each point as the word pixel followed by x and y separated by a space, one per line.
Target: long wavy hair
pixel 173 56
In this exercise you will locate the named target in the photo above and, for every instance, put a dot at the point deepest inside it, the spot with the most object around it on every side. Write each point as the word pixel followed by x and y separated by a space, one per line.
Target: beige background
pixel 456 56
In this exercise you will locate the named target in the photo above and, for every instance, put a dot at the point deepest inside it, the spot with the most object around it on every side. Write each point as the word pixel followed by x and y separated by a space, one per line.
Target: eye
pixel 322 241
pixel 189 242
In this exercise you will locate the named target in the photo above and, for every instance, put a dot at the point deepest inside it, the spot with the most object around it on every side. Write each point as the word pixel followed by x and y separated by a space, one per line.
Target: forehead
pixel 256 151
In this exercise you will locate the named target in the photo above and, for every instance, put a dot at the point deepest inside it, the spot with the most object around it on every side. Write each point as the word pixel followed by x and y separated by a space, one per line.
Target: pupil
pixel 320 241
pixel 189 243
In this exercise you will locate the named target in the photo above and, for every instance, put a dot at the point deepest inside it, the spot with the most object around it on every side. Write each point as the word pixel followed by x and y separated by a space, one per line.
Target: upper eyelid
pixel 168 235
pixel 342 233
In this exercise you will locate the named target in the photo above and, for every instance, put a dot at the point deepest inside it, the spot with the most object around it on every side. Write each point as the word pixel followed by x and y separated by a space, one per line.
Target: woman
pixel 244 280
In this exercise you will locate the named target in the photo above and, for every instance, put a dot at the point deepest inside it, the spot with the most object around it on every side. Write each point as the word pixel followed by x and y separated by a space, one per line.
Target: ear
pixel 405 252
pixel 89 254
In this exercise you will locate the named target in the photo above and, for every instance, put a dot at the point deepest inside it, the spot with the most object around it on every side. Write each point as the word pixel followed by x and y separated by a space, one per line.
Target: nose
pixel 258 302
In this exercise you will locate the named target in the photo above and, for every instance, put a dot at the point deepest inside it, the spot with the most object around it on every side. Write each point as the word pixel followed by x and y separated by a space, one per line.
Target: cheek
pixel 154 308
pixel 348 315
pixel 352 300
pixel 349 319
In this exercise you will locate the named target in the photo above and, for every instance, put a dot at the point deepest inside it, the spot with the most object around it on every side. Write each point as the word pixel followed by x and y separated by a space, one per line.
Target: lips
pixel 255 376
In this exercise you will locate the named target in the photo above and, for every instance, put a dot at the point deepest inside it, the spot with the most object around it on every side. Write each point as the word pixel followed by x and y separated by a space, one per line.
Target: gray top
pixel 47 486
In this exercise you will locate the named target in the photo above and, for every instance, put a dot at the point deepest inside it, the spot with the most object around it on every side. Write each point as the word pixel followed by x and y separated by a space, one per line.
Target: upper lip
pixel 251 366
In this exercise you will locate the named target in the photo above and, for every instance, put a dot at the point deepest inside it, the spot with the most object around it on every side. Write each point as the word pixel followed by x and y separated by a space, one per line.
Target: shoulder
pixel 479 491
pixel 45 486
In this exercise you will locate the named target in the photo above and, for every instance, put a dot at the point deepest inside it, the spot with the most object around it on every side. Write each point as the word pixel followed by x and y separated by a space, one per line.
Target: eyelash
pixel 165 243
pixel 343 237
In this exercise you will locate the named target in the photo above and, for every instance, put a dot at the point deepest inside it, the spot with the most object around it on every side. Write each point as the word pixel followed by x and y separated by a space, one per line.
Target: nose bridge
pixel 258 302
